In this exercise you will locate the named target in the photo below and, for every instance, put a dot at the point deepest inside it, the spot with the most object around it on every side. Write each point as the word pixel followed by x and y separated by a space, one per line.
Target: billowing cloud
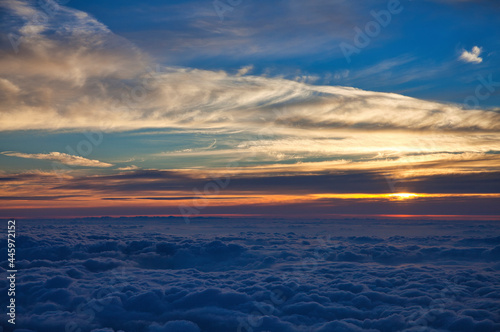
pixel 269 275
pixel 191 98
pixel 77 75
pixel 73 82
pixel 63 158
pixel 472 56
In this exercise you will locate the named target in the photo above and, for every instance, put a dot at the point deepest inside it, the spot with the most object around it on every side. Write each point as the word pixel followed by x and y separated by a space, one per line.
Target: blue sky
pixel 371 92
pixel 415 54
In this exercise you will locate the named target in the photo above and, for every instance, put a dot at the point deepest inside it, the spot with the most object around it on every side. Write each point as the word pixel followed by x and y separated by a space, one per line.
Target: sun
pixel 403 196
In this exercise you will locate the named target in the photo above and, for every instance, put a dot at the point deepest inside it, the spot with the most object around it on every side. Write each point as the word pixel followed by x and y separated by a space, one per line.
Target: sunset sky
pixel 249 108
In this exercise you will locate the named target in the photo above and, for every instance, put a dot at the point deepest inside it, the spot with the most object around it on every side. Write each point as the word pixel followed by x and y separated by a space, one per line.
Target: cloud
pixel 64 78
pixel 128 168
pixel 269 275
pixel 199 99
pixel 175 326
pixel 72 73
pixel 472 56
pixel 245 70
pixel 63 158
pixel 250 30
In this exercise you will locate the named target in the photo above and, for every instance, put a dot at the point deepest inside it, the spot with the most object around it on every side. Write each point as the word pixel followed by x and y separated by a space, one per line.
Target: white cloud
pixel 128 168
pixel 245 70
pixel 75 83
pixel 63 158
pixel 200 99
pixel 472 56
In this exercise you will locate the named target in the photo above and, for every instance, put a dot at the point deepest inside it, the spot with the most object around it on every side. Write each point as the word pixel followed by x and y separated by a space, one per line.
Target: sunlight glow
pixel 403 196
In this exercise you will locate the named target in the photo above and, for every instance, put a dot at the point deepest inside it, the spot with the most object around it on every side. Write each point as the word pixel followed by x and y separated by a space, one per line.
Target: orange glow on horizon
pixel 155 204
pixel 398 196
pixel 402 196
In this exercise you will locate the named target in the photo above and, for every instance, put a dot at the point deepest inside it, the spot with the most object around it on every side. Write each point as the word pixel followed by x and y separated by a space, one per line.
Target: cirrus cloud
pixel 63 158
pixel 77 75
pixel 80 75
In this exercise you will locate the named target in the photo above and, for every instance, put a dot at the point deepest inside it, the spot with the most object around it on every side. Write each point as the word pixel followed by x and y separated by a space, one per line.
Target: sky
pixel 249 108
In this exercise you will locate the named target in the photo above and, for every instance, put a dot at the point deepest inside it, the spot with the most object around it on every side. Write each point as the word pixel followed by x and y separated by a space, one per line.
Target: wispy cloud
pixel 63 78
pixel 79 76
pixel 472 56
pixel 245 70
pixel 200 99
pixel 63 158
pixel 128 168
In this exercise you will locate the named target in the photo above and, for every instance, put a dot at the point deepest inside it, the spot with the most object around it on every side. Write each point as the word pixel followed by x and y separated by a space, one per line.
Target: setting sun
pixel 230 165
pixel 403 196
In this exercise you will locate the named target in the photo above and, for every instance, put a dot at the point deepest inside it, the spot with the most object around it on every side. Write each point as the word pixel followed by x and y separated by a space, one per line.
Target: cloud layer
pixel 62 158
pixel 94 79
pixel 228 275
pixel 68 73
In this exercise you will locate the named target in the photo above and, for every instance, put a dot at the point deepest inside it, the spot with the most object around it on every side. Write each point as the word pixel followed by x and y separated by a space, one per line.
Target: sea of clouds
pixel 160 274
